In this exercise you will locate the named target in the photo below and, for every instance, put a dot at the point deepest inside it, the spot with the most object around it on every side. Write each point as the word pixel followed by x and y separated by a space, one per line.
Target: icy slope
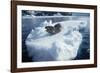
pixel 61 46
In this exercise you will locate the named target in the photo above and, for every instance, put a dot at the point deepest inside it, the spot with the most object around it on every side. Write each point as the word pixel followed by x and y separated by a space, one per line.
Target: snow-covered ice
pixel 62 46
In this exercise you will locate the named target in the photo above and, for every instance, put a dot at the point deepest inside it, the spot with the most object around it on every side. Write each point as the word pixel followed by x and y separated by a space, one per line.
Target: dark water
pixel 84 49
pixel 29 24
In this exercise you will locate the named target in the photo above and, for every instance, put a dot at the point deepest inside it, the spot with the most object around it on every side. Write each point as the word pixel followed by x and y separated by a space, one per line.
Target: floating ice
pixel 63 46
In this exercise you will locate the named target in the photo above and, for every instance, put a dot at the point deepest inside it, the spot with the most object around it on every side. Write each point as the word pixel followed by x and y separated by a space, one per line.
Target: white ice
pixel 59 47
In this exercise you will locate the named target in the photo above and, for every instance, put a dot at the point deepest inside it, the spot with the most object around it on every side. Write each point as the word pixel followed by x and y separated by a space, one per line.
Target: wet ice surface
pixel 65 45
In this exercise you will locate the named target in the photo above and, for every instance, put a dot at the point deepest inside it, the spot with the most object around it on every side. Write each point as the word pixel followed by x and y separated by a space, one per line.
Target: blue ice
pixel 62 46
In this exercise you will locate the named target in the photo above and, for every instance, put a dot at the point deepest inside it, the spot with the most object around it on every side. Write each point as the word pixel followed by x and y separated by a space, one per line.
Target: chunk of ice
pixel 61 46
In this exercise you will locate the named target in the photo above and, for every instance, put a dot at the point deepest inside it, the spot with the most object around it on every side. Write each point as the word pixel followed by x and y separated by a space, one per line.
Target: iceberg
pixel 62 46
